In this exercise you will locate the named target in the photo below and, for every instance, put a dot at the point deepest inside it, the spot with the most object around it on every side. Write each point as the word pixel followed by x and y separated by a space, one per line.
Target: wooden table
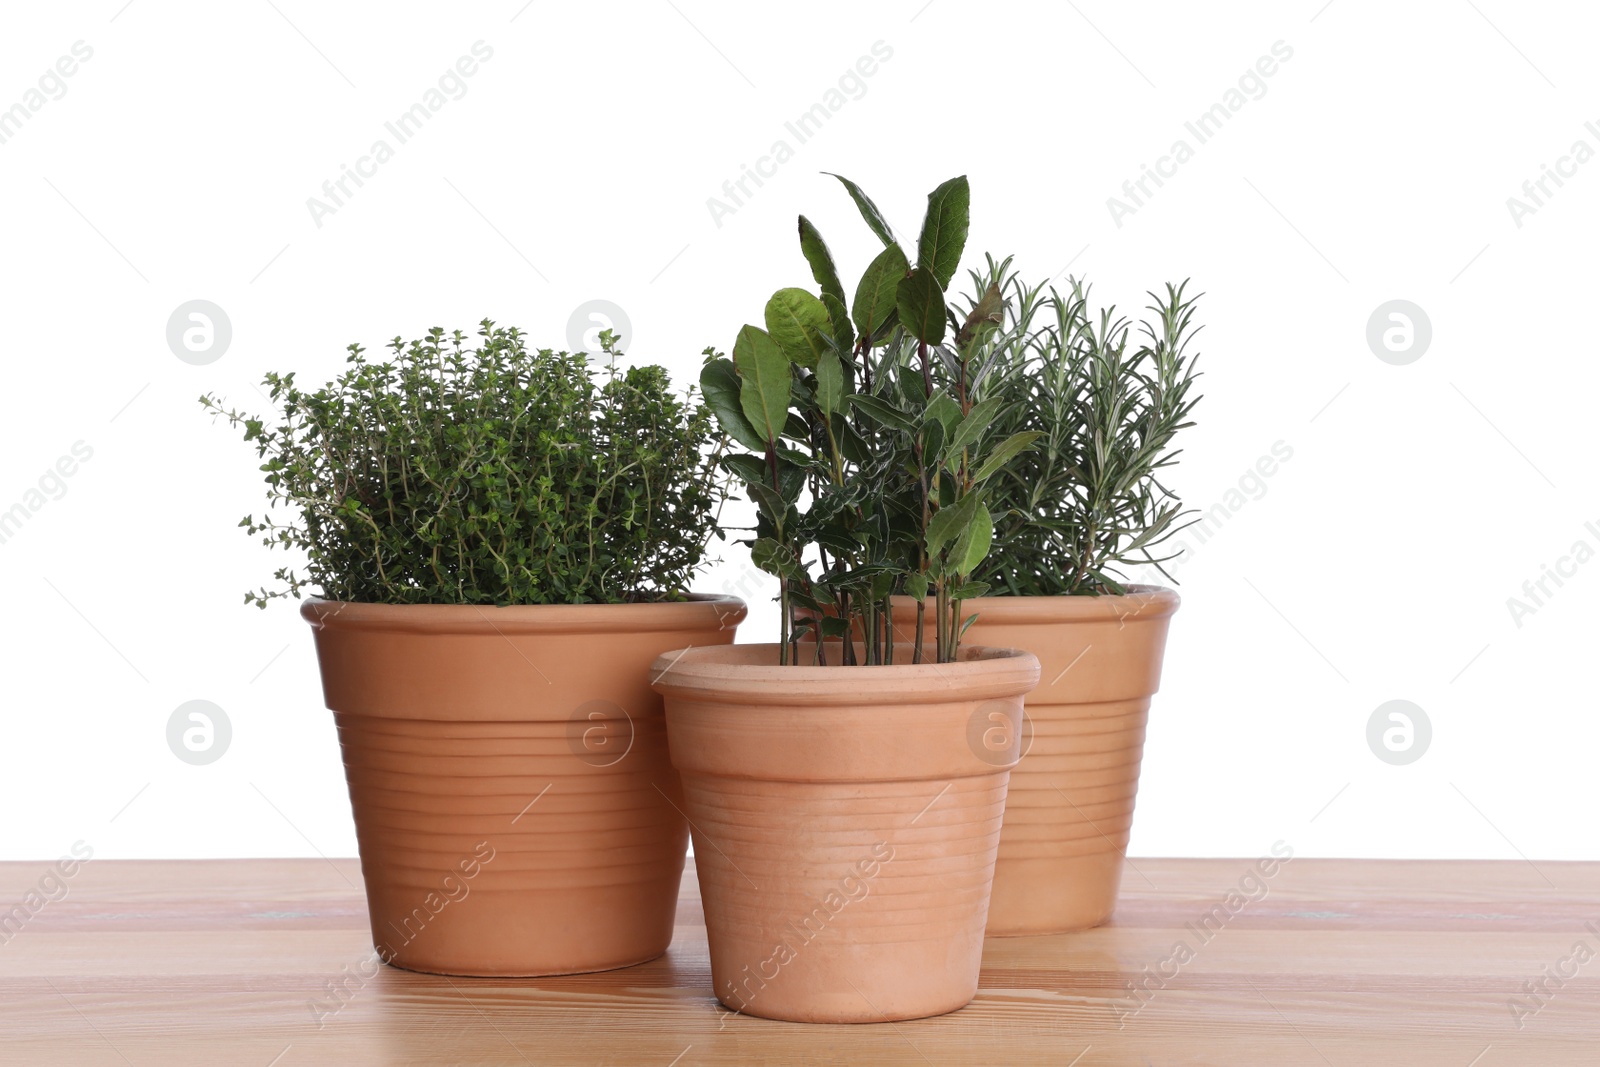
pixel 1342 962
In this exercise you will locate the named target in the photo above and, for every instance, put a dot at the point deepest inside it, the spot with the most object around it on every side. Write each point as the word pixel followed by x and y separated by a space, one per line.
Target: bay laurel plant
pixel 1105 404
pixel 486 472
pixel 870 448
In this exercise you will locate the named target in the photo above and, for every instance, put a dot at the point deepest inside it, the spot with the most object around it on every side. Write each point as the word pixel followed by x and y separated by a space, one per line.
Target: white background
pixel 1375 564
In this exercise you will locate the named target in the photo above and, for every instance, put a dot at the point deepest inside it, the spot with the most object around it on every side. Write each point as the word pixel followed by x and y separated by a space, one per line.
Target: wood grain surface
pixel 1343 963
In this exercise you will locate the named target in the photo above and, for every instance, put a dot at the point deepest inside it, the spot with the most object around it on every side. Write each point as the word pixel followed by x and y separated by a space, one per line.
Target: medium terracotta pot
pixel 515 807
pixel 845 821
pixel 1070 808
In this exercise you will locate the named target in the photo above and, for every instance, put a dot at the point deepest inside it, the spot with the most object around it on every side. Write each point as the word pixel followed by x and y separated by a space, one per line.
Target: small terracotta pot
pixel 1070 808
pixel 515 807
pixel 845 821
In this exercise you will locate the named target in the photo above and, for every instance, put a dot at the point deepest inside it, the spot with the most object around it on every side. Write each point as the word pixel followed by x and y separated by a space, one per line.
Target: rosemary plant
pixel 1087 502
pixel 869 448
pixel 489 474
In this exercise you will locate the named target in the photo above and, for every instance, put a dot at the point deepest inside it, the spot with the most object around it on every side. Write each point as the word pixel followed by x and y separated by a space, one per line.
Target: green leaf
pixel 844 335
pixel 944 230
pixel 920 302
pixel 967 590
pixel 817 254
pixel 791 477
pixel 764 373
pixel 719 384
pixel 876 293
pixel 988 312
pixel 770 501
pixel 976 421
pixel 747 468
pixel 853 446
pixel 830 384
pixel 776 558
pixel 949 523
pixel 917 586
pixel 882 334
pixel 838 540
pixel 798 321
pixel 833 626
pixel 795 428
pixel 972 546
pixel 933 435
pixel 883 412
pixel 946 410
pixel 1017 442
pixel 868 209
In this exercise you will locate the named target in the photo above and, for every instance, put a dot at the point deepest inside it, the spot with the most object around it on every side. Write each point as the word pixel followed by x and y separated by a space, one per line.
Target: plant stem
pixel 783 622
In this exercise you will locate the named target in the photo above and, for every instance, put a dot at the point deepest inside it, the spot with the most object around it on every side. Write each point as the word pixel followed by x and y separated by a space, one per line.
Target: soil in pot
pixel 516 810
pixel 845 822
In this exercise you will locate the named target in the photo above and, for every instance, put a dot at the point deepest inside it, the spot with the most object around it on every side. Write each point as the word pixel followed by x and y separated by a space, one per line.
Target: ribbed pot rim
pixel 1141 602
pixel 694 613
pixel 749 673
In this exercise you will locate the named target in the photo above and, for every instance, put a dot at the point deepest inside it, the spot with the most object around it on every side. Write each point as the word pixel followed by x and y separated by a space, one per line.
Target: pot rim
pixel 726 674
pixel 691 614
pixel 1141 602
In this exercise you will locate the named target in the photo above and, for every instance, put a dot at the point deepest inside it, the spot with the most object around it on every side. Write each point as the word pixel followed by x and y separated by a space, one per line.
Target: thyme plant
pixel 1106 404
pixel 487 473
pixel 869 449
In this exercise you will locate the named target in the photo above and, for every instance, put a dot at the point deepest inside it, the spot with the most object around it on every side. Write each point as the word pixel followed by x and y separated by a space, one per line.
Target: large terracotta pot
pixel 1070 807
pixel 845 821
pixel 515 807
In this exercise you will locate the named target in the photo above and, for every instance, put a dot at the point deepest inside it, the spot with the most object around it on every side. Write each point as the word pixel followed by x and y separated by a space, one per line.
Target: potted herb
pixel 845 788
pixel 1072 515
pixel 500 544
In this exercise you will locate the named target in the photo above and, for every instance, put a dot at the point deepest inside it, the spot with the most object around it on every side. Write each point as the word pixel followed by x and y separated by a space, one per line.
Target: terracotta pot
pixel 1071 803
pixel 845 821
pixel 515 807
